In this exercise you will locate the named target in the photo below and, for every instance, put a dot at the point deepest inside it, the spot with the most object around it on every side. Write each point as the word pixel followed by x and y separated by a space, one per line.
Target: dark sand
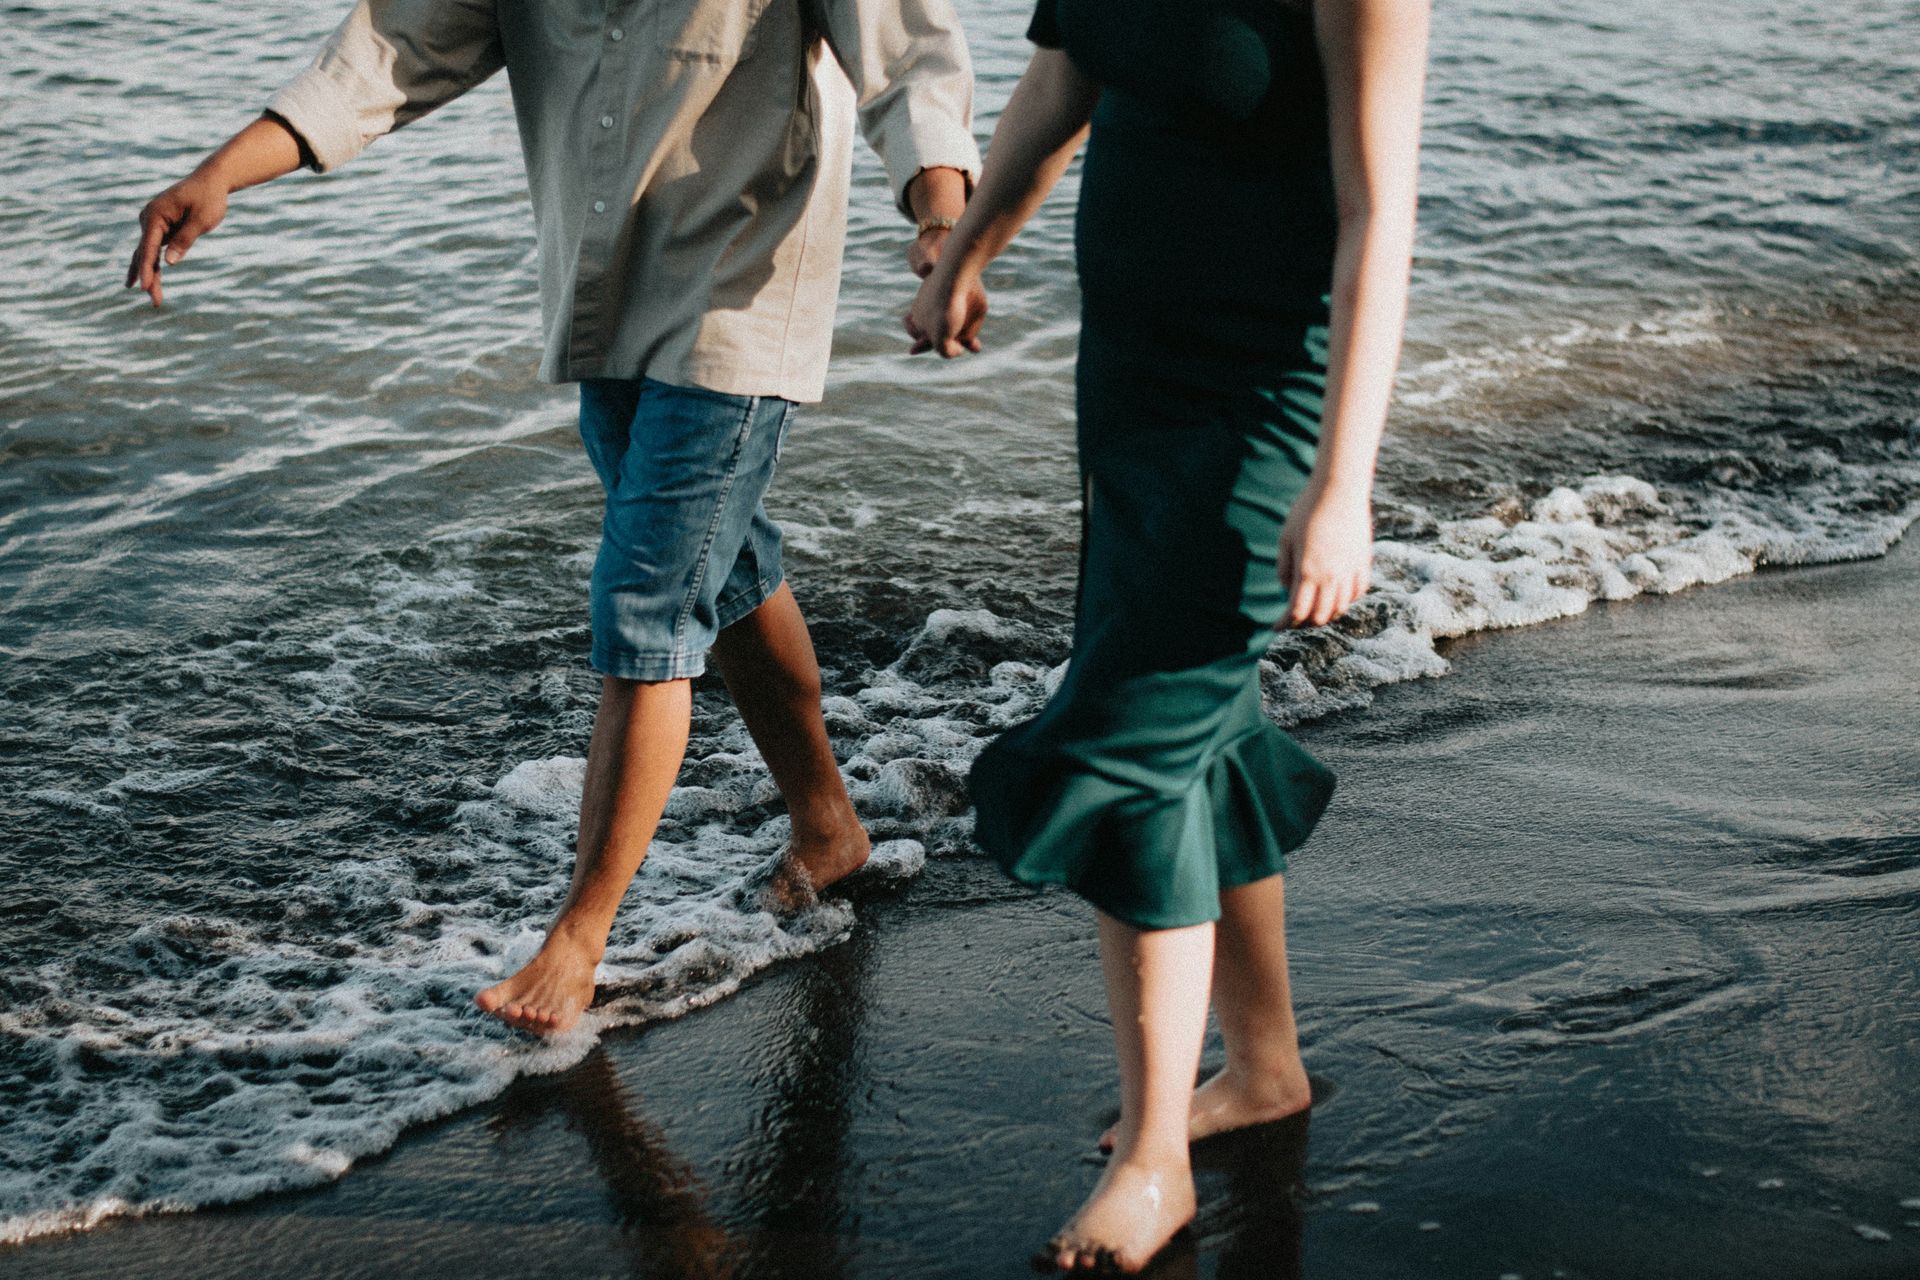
pixel 1606 934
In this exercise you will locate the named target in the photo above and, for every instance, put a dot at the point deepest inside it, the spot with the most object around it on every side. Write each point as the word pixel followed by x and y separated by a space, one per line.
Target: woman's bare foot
pixel 550 991
pixel 1135 1209
pixel 1232 1100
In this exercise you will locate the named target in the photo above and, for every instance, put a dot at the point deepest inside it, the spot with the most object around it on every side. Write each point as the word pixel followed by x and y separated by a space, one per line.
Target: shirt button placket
pixel 590 325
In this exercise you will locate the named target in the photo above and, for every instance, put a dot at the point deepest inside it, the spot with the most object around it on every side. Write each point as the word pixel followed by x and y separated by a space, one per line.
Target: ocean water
pixel 292 574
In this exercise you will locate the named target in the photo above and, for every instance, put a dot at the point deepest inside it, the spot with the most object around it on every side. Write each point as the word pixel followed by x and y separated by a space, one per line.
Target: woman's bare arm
pixel 1038 134
pixel 1375 54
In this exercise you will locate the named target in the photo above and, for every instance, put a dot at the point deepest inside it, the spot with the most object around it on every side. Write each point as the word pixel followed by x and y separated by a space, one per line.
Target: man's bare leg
pixel 639 739
pixel 768 663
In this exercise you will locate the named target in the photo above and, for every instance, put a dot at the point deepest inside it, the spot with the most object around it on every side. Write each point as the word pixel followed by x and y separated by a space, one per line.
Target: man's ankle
pixel 831 826
pixel 584 937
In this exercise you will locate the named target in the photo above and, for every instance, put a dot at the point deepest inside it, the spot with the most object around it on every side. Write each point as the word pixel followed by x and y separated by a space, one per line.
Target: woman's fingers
pixel 1317 598
pixel 920 340
pixel 975 316
pixel 1301 606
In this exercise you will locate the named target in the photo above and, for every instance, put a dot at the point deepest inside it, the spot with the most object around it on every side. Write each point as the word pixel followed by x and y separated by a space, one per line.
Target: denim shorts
pixel 686 547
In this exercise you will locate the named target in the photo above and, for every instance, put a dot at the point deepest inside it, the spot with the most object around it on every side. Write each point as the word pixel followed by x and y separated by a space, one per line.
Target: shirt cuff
pixel 321 112
pixel 914 145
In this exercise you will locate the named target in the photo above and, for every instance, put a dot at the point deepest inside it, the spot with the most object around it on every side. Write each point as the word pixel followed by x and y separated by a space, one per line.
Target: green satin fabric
pixel 1152 779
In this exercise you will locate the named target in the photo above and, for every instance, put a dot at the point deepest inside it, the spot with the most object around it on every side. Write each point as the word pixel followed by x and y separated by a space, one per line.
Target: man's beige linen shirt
pixel 689 159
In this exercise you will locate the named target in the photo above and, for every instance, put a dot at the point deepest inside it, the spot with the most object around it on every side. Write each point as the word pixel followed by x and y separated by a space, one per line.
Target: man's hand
pixel 1326 552
pixel 193 206
pixel 170 224
pixel 924 253
pixel 938 192
pixel 947 314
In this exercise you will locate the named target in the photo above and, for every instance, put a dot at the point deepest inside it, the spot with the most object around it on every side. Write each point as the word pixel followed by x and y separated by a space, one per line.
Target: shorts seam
pixel 713 525
pixel 760 592
pixel 631 664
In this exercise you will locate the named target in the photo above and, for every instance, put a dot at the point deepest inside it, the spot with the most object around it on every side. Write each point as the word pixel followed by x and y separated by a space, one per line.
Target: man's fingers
pixel 184 235
pixel 153 229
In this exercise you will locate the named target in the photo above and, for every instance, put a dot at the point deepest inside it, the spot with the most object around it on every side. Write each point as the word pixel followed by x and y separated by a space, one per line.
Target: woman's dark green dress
pixel 1152 780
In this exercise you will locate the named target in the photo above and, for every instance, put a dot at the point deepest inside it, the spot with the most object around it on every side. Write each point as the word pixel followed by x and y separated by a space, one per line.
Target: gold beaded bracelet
pixel 935 222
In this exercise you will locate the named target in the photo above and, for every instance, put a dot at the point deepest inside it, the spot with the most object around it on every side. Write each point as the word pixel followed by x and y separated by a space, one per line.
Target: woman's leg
pixel 1157 982
pixel 1264 1078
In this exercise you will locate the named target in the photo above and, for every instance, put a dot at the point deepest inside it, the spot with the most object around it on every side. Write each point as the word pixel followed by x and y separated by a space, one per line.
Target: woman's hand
pixel 947 313
pixel 1326 553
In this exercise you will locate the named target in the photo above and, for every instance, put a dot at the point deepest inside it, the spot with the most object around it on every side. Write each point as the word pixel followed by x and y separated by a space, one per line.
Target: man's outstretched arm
pixel 174 219
pixel 389 63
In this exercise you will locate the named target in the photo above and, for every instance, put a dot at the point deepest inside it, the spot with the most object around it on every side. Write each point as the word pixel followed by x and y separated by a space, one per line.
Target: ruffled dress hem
pixel 1151 859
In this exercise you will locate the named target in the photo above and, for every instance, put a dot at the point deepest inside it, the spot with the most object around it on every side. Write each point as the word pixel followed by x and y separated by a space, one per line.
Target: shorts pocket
pixel 716 31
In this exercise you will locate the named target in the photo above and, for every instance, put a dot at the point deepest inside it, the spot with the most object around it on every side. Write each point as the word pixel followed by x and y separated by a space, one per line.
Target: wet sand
pixel 1605 957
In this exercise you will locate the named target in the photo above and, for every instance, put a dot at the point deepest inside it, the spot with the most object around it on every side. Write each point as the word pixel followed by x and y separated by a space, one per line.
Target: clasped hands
pixel 947 313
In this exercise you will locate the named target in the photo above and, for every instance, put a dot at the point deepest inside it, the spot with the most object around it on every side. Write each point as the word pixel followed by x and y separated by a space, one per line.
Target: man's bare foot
pixel 826 857
pixel 1135 1209
pixel 550 991
pixel 1229 1100
pixel 816 860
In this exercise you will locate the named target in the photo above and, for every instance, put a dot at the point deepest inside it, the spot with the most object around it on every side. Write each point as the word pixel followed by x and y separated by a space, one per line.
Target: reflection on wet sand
pixel 1252 1185
pixel 783 1214
pixel 783 1211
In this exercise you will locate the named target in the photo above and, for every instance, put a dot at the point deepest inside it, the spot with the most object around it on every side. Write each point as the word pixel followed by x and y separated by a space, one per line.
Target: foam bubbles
pixel 200 1060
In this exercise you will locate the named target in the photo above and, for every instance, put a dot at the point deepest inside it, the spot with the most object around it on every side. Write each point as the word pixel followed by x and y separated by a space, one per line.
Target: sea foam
pixel 198 1060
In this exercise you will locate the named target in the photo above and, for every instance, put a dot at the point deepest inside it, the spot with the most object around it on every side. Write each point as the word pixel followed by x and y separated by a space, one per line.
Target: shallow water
pixel 292 592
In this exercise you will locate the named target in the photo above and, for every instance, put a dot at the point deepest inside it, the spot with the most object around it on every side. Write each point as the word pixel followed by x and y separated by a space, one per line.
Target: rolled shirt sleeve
pixel 389 63
pixel 913 84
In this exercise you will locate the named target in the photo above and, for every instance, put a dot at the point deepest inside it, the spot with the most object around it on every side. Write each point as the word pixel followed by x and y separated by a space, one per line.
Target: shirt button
pixel 599 206
pixel 606 122
pixel 616 34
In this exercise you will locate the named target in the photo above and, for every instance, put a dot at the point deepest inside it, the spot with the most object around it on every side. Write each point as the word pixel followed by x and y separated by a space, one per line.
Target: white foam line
pixel 207 1065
